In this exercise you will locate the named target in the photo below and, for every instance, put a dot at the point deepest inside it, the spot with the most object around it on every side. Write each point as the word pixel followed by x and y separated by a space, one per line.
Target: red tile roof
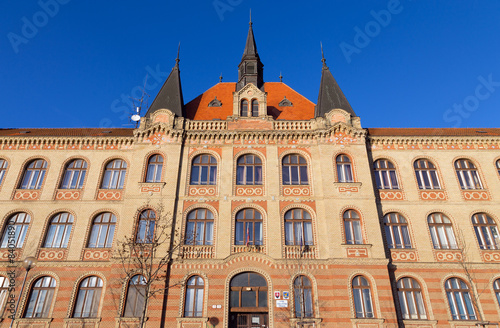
pixel 79 132
pixel 438 132
pixel 302 109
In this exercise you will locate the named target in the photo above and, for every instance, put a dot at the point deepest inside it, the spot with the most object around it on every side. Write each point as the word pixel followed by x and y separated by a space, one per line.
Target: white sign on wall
pixel 281 303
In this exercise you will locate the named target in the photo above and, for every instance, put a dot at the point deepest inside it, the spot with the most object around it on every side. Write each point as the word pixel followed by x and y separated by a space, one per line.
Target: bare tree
pixel 468 267
pixel 145 257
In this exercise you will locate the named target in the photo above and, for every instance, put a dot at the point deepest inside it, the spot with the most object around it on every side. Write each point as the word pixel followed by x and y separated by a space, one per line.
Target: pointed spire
pixel 170 94
pixel 330 95
pixel 250 67
pixel 250 46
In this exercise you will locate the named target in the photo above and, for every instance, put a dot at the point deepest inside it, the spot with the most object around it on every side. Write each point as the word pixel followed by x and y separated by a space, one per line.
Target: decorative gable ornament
pixel 215 103
pixel 285 103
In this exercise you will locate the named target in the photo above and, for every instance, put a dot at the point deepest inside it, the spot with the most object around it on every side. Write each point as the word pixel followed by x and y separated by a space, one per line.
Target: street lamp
pixel 28 264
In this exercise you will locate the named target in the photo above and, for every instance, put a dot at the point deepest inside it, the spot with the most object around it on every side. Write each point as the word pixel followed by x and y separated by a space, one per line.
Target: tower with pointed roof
pixel 170 95
pixel 330 95
pixel 250 69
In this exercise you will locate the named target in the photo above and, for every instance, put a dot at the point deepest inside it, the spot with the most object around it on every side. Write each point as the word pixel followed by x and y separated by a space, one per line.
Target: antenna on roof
pixel 139 103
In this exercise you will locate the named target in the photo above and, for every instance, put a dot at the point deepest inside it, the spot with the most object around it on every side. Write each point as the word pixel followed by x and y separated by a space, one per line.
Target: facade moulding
pixel 54 143
pixel 432 140
pixel 199 131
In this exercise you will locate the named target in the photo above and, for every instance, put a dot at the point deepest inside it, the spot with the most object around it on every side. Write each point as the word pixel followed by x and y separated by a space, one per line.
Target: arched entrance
pixel 248 305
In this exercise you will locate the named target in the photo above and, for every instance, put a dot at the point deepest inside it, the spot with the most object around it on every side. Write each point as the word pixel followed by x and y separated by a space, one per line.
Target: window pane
pixel 213 174
pixel 294 175
pixel 258 175
pixel 195 172
pixel 303 175
pixel 209 237
pixel 357 232
pixel 357 303
pixel 286 175
pixel 240 171
pixel 248 299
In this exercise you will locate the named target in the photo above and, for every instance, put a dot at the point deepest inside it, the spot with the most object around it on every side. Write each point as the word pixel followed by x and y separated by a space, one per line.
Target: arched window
pixel 352 227
pixel 467 174
pixel 136 295
pixel 298 227
pixel 193 306
pixel 244 108
pixel 248 290
pixel 3 169
pixel 204 170
pixel 114 175
pixel 59 231
pixel 249 170
pixel 200 227
pixel 248 227
pixel 74 174
pixel 103 230
pixel 303 300
pixel 41 298
pixel 396 231
pixel 88 298
pixel 294 170
pixel 486 231
pixel 34 174
pixel 496 289
pixel 344 169
pixel 385 174
pixel 410 299
pixel 155 167
pixel 362 297
pixel 498 166
pixel 442 233
pixel 426 173
pixel 4 292
pixel 146 227
pixel 255 108
pixel 15 230
pixel 459 299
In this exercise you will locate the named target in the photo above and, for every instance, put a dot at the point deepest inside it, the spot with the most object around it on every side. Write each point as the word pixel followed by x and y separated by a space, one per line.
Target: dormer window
pixel 255 108
pixel 244 108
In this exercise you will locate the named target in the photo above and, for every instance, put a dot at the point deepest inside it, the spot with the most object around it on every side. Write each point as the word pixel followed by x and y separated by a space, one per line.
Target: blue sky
pixel 406 63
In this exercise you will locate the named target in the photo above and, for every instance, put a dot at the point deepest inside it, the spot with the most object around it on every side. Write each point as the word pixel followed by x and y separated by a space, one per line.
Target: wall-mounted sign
pixel 277 295
pixel 281 303
pixel 286 295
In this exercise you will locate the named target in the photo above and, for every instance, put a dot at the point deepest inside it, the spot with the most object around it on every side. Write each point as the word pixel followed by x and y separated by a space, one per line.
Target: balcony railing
pixel 300 252
pixel 197 252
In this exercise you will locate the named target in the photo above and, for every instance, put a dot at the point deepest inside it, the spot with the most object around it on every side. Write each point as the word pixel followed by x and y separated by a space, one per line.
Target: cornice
pixel 414 140
pixel 63 142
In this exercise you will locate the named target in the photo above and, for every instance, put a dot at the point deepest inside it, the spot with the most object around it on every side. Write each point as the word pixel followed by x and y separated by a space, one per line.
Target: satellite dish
pixel 136 118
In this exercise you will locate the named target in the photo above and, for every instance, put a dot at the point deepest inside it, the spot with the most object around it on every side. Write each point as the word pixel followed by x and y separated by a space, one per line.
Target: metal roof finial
pixel 250 17
pixel 281 77
pixel 177 60
pixel 322 55
pixel 220 77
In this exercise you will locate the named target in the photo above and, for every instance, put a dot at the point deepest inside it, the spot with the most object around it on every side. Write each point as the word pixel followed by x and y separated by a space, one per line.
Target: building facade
pixel 284 213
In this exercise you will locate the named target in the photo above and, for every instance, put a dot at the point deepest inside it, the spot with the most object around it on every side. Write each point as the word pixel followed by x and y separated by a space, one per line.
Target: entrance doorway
pixel 248 306
pixel 249 320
